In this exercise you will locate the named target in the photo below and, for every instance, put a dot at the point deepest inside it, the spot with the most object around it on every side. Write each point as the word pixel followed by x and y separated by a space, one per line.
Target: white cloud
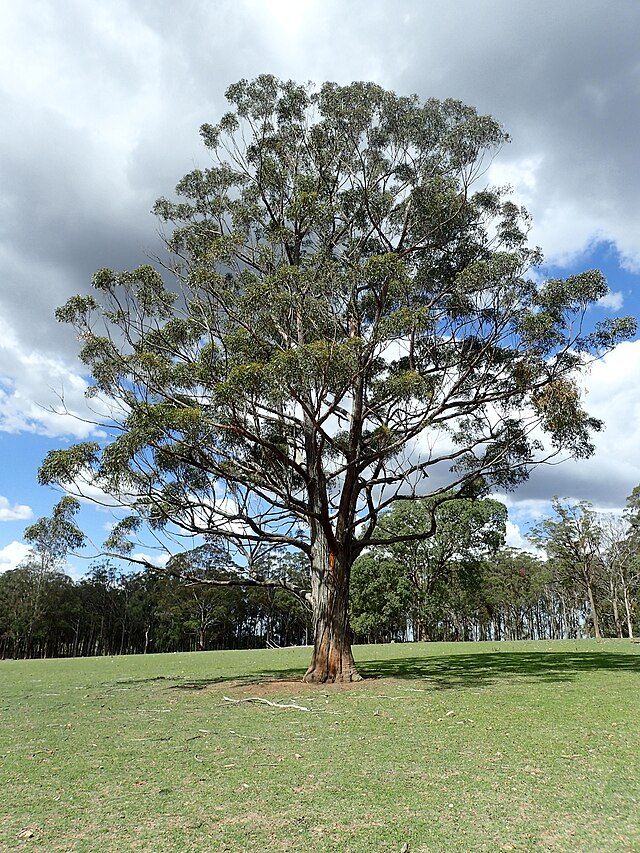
pixel 159 560
pixel 533 509
pixel 290 17
pixel 35 386
pixel 15 552
pixel 90 492
pixel 19 512
pixel 514 537
pixel 12 554
pixel 612 393
pixel 563 228
pixel 73 571
pixel 103 103
pixel 518 174
pixel 613 300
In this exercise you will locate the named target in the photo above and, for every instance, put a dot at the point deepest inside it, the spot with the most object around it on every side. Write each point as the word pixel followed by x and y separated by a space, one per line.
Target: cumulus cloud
pixel 522 508
pixel 75 572
pixel 160 560
pixel 12 555
pixel 43 393
pixel 102 104
pixel 568 100
pixel 89 491
pixel 19 512
pixel 516 539
pixel 612 393
pixel 613 300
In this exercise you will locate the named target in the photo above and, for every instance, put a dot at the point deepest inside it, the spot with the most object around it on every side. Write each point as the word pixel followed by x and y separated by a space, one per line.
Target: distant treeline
pixel 47 614
pixel 459 582
pixel 512 596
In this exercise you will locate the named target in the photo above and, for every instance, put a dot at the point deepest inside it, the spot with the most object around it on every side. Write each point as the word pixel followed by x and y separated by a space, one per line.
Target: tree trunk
pixel 564 620
pixel 627 610
pixel 614 604
pixel 592 606
pixel 332 659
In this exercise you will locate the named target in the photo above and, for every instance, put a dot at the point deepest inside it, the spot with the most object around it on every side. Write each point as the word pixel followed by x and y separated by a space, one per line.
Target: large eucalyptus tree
pixel 344 310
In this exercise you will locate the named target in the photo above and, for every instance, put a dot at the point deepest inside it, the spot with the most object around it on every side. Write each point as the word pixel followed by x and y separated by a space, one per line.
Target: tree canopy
pixel 425 580
pixel 345 318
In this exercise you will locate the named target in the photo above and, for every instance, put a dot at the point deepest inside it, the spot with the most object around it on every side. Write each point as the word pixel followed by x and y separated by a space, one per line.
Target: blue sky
pixel 101 106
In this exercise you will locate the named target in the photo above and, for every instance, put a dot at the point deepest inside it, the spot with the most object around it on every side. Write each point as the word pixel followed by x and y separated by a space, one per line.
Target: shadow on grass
pixel 180 683
pixel 293 675
pixel 473 670
pixel 441 672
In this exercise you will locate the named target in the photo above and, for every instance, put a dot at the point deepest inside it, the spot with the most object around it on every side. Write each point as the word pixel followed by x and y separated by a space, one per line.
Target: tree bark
pixel 627 610
pixel 614 604
pixel 594 613
pixel 332 659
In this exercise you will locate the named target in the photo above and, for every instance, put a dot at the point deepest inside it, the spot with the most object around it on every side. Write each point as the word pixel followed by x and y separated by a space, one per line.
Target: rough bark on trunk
pixel 332 658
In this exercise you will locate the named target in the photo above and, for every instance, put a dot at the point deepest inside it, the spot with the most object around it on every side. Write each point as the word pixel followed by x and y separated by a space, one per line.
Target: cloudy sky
pixel 101 105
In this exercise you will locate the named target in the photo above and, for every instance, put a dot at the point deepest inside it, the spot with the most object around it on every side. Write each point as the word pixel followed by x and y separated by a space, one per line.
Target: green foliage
pixel 380 598
pixel 38 610
pixel 46 614
pixel 514 586
pixel 52 538
pixel 344 292
pixel 119 538
pixel 594 557
pixel 66 466
pixel 572 537
pixel 426 567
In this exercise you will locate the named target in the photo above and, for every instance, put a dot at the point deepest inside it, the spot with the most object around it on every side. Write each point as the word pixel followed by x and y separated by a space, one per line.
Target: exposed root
pixel 266 702
pixel 315 677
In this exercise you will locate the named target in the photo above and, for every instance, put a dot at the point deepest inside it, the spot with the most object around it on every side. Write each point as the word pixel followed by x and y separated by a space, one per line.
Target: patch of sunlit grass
pixel 465 747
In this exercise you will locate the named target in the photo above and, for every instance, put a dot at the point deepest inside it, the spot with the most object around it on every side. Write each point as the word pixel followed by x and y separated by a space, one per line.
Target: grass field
pixel 465 747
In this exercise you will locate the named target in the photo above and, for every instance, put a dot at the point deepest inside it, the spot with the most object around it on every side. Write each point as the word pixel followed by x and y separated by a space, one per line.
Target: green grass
pixel 465 747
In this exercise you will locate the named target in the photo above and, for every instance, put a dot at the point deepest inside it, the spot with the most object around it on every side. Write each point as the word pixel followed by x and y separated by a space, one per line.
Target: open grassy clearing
pixel 465 747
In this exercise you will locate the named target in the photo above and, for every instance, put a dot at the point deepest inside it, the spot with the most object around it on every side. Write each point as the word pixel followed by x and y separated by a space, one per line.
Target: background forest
pixel 460 584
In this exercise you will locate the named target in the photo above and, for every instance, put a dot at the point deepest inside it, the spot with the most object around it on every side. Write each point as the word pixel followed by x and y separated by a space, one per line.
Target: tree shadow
pixel 276 676
pixel 439 672
pixel 183 683
pixel 477 670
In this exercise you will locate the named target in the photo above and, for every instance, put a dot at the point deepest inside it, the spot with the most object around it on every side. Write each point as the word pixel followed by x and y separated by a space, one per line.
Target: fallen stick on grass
pixel 266 702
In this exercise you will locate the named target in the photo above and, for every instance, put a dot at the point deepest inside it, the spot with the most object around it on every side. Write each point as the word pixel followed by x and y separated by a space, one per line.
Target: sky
pixel 101 106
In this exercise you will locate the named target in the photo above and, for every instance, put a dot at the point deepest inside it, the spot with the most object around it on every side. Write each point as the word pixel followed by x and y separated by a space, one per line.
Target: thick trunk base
pixel 324 675
pixel 314 677
pixel 332 660
pixel 331 663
